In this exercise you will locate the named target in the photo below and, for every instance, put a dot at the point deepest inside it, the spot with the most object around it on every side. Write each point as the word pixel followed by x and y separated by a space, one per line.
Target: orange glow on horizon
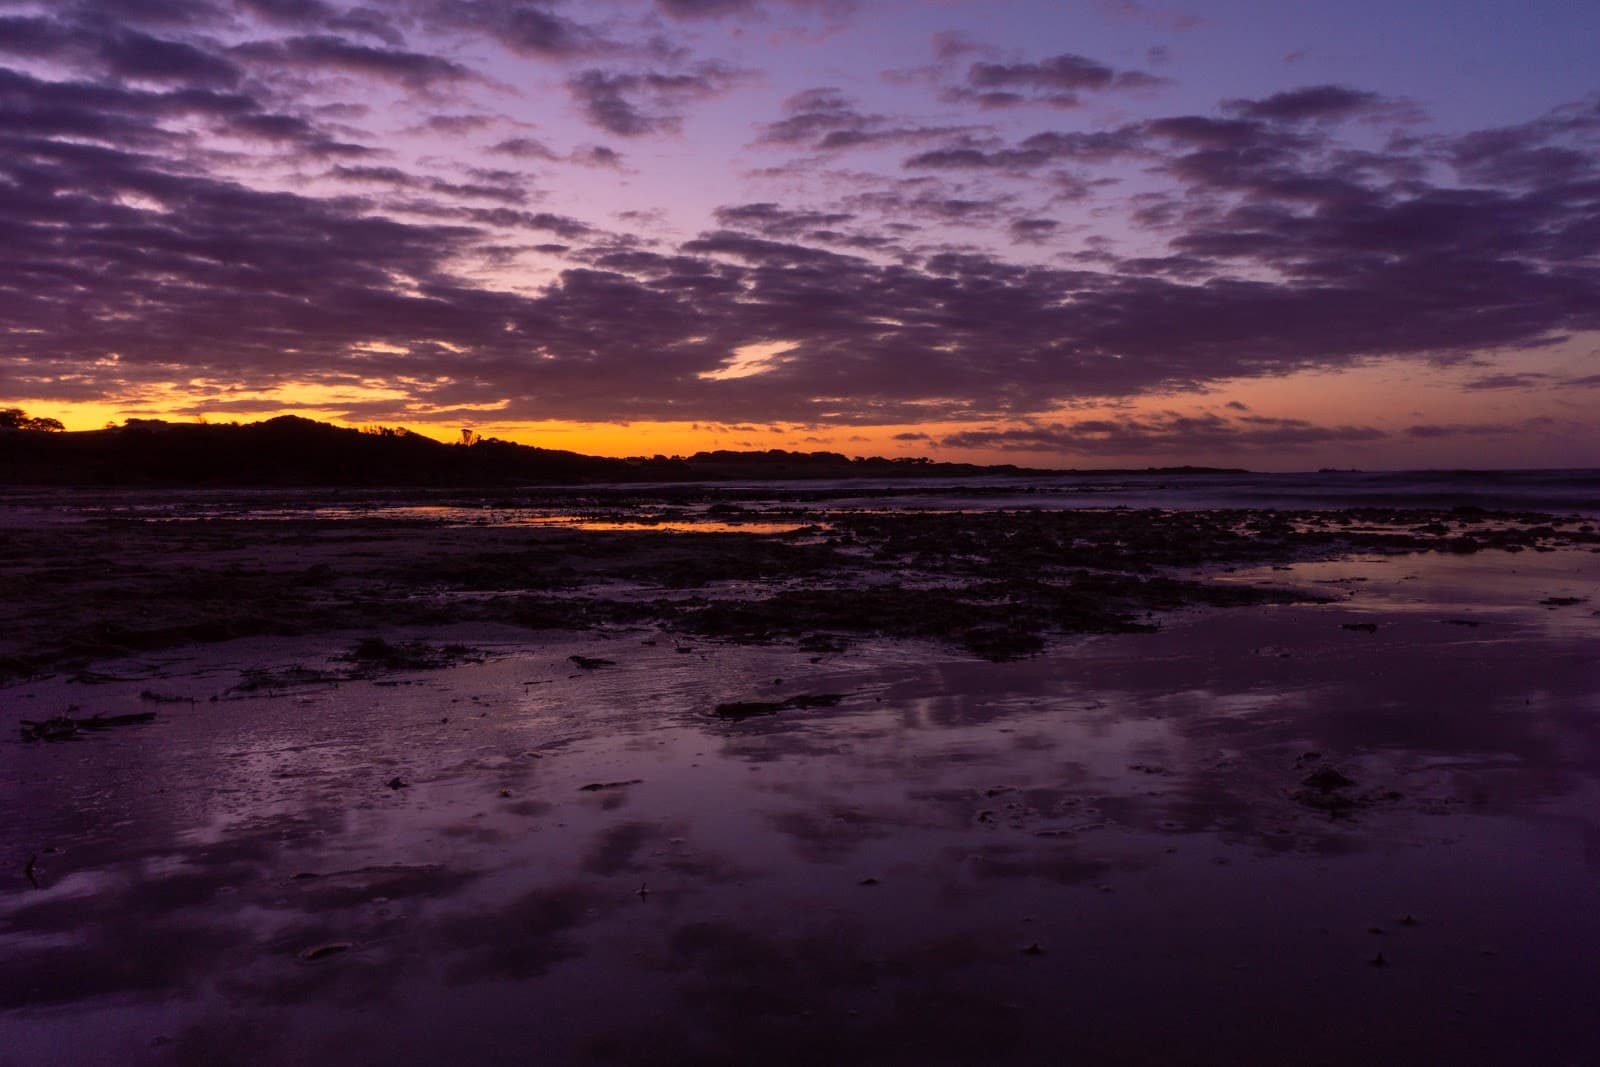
pixel 617 440
pixel 1384 401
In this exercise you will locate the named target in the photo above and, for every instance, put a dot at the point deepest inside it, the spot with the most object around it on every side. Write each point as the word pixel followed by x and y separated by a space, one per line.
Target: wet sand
pixel 1124 787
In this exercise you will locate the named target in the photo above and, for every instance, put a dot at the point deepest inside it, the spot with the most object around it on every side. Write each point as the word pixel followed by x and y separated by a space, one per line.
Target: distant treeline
pixel 290 451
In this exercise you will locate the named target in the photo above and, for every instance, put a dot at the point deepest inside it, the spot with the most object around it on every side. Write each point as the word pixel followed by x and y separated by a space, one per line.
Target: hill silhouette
pixel 290 451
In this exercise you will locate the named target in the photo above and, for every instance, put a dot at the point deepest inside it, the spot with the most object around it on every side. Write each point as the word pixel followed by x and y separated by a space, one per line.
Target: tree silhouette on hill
pixel 17 419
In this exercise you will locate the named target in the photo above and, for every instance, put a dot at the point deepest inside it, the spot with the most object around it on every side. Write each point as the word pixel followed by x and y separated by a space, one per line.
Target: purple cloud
pixel 775 221
pixel 825 120
pixel 1161 433
pixel 123 52
pixel 712 9
pixel 1522 380
pixel 1314 103
pixel 528 28
pixel 1057 81
pixel 635 103
pixel 414 70
pixel 525 148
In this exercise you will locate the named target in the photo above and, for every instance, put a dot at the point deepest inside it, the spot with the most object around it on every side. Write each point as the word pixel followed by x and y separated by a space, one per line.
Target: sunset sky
pixel 1052 232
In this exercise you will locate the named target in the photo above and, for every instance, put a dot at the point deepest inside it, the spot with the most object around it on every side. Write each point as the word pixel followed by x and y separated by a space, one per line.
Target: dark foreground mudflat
pixel 1105 787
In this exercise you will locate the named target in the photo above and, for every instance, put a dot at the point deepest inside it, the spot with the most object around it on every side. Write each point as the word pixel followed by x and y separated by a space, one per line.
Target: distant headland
pixel 290 451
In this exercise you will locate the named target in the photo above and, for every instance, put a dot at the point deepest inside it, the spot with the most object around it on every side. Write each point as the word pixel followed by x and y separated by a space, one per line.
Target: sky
pixel 1067 233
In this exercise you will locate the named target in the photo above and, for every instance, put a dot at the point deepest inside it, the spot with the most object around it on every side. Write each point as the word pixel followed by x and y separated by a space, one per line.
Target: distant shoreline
pixel 291 452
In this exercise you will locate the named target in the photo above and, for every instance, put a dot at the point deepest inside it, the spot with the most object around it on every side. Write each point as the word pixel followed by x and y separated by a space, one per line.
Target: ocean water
pixel 1552 491
pixel 723 505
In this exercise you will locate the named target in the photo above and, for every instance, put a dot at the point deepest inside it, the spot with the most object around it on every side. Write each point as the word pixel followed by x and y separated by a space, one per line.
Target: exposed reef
pixel 999 584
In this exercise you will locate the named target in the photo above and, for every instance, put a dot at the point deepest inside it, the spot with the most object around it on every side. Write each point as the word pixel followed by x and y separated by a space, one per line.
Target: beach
pixel 734 775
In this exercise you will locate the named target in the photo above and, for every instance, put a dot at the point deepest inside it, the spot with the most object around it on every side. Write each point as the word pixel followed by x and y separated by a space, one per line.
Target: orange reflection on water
pixel 666 525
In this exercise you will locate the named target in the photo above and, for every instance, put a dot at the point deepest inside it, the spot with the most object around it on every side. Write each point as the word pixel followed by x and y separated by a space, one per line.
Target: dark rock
pixel 748 709
pixel 58 728
pixel 67 728
pixel 106 722
pixel 324 951
pixel 1327 779
pixel 595 787
pixel 374 653
pixel 745 709
pixel 823 643
pixel 815 700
